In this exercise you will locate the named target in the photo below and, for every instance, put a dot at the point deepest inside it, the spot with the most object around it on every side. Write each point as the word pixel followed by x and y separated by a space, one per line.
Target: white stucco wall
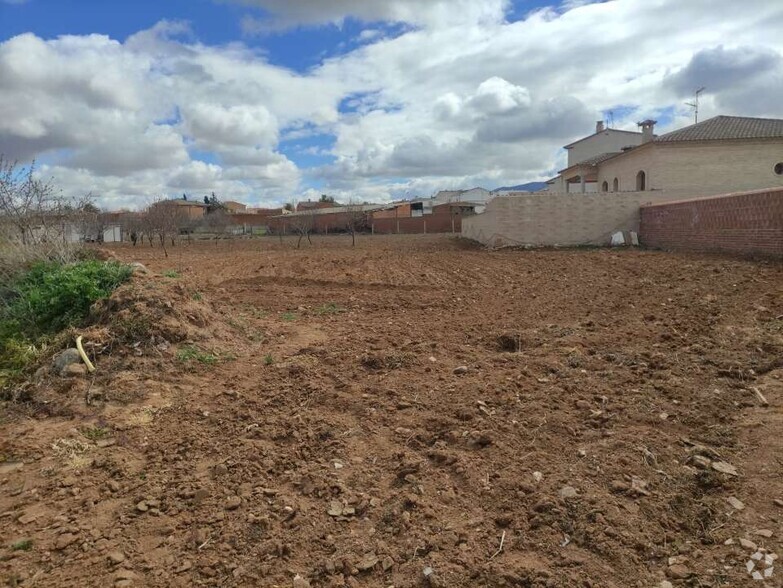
pixel 608 141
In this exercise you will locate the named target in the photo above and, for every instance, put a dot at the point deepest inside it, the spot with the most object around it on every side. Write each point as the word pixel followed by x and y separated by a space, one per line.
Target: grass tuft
pixel 193 353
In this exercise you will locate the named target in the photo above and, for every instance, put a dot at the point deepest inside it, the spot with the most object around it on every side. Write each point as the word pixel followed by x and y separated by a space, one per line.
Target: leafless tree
pixel 163 219
pixel 133 225
pixel 29 206
pixel 217 223
pixel 303 224
pixel 355 220
pixel 36 221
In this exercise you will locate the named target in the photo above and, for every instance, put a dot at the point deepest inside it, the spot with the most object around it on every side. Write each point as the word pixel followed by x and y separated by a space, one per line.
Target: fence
pixel 746 222
pixel 429 223
pixel 550 219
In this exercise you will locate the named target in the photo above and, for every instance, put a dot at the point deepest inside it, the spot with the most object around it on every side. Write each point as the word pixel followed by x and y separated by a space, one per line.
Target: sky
pixel 273 101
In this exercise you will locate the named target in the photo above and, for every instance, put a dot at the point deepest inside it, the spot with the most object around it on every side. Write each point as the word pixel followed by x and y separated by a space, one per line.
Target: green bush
pixel 51 297
pixel 46 299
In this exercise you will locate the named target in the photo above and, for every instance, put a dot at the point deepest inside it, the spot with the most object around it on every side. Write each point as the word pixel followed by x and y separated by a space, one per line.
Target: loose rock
pixel 64 541
pixel 735 503
pixel 233 502
pixel 367 562
pixel 679 572
pixel 116 557
pixel 74 370
pixel 300 582
pixel 463 369
pixel 747 544
pixel 64 359
pixel 724 468
pixel 567 492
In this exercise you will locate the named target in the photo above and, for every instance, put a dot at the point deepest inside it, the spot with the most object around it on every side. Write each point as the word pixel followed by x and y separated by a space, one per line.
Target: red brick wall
pixel 746 222
pixel 435 223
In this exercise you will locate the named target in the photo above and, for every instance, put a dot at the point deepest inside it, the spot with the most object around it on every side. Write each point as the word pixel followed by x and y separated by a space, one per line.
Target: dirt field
pixel 411 412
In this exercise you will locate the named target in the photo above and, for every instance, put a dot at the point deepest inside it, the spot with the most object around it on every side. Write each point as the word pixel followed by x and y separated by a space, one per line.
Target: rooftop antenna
pixel 610 122
pixel 695 104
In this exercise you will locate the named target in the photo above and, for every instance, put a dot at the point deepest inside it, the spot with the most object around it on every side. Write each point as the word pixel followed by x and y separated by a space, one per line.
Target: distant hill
pixel 529 187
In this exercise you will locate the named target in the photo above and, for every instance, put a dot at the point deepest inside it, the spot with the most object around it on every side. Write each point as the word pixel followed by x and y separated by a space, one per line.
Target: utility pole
pixel 695 104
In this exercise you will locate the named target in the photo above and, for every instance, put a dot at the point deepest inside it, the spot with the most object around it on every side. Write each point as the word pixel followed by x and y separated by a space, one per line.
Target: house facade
pixel 719 155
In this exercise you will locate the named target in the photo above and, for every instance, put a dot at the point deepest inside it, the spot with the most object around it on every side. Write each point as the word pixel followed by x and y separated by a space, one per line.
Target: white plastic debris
pixel 618 239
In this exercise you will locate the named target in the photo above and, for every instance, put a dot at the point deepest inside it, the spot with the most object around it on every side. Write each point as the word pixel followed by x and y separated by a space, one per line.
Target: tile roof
pixel 592 161
pixel 727 128
pixel 595 160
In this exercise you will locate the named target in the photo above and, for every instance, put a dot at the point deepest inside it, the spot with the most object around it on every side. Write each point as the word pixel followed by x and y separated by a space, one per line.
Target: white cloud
pixel 436 13
pixel 460 97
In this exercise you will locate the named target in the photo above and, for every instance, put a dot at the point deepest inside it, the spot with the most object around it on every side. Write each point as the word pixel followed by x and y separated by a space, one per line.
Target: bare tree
pixel 303 224
pixel 355 220
pixel 133 225
pixel 217 223
pixel 163 219
pixel 28 205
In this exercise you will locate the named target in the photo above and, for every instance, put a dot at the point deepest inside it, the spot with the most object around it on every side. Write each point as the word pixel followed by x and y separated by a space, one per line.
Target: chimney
pixel 648 126
pixel 599 126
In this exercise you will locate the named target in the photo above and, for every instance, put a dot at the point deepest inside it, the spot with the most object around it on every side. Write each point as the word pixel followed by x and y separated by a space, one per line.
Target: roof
pixel 592 161
pixel 722 128
pixel 338 209
pixel 604 132
pixel 180 202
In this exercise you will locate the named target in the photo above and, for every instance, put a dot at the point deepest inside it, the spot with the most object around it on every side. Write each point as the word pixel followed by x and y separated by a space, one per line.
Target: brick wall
pixel 747 223
pixel 429 223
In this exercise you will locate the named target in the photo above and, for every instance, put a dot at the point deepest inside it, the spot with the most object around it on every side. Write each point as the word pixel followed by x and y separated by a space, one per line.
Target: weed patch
pixel 170 274
pixel 23 545
pixel 95 433
pixel 330 308
pixel 193 353
pixel 288 317
pixel 46 299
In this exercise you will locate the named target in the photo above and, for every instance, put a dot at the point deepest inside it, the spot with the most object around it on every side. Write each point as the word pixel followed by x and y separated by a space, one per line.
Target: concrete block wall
pixel 548 219
pixel 745 223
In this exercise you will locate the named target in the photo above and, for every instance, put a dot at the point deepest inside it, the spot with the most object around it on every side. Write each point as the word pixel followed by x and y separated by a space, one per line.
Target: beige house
pixel 234 207
pixel 720 155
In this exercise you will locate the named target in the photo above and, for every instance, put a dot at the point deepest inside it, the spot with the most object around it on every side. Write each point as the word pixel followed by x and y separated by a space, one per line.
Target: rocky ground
pixel 413 411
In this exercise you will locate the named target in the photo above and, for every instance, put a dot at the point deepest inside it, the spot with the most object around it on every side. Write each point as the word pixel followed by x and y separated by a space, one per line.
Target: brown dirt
pixel 325 432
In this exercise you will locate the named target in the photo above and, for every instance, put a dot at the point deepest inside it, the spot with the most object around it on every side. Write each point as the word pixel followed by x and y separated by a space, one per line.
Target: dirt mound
pixel 338 416
pixel 150 310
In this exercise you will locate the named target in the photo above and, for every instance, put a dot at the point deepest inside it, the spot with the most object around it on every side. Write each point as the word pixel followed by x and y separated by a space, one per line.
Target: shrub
pixel 45 299
pixel 51 296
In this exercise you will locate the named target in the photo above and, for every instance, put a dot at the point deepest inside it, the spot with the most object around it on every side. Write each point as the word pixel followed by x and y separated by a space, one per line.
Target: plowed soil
pixel 414 411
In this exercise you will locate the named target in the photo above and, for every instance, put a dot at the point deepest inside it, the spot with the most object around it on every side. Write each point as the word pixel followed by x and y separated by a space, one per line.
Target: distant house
pixel 719 155
pixel 305 206
pixel 472 195
pixel 233 207
pixel 191 209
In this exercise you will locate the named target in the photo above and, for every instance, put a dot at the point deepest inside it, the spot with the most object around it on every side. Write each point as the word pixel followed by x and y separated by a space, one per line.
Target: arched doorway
pixel 605 187
pixel 616 185
pixel 641 181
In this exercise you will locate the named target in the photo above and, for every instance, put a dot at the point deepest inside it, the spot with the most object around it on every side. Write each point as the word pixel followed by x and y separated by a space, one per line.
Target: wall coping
pixel 771 190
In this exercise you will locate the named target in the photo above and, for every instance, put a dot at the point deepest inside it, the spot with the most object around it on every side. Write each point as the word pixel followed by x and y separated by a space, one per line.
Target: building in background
pixel 719 155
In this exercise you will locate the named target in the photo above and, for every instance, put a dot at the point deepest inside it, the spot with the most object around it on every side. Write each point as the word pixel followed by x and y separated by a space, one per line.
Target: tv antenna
pixel 695 104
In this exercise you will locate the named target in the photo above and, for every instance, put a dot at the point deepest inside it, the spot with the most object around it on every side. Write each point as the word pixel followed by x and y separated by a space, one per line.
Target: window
pixel 616 185
pixel 641 181
pixel 605 187
pixel 779 168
